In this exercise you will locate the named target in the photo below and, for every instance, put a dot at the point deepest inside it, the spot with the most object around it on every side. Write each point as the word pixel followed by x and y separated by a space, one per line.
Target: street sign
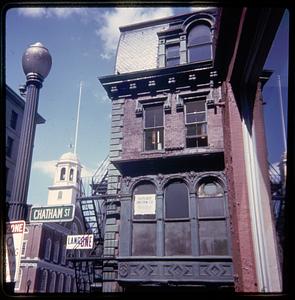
pixel 84 241
pixel 13 245
pixel 58 213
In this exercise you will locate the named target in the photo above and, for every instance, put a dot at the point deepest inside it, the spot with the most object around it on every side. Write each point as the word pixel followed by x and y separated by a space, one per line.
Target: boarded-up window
pixel 177 222
pixel 176 200
pixel 177 238
pixel 144 239
pixel 213 232
pixel 144 219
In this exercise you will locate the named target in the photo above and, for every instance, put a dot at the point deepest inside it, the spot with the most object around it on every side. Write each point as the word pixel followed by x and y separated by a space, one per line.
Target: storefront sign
pixel 59 213
pixel 13 245
pixel 84 241
pixel 145 204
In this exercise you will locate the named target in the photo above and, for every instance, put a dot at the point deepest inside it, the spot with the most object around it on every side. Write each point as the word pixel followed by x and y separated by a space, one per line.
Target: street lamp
pixel 36 63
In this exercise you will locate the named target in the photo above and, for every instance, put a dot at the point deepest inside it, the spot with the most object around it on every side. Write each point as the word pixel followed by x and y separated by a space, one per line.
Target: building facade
pixel 15 105
pixel 188 173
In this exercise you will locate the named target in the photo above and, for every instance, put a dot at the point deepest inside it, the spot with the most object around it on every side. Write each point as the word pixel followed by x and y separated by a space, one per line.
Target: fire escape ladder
pixel 277 193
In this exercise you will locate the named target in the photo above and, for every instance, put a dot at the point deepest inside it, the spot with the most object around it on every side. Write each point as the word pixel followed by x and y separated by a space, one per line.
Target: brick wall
pixel 174 131
pixel 242 245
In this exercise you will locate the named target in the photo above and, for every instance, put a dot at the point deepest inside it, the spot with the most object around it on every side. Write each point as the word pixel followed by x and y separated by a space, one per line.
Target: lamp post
pixel 36 62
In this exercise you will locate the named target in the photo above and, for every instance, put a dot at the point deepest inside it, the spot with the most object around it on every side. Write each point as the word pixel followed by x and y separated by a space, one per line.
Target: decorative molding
pixel 192 270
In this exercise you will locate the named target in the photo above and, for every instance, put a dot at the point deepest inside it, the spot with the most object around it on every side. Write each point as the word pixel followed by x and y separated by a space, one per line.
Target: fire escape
pixel 88 263
pixel 278 204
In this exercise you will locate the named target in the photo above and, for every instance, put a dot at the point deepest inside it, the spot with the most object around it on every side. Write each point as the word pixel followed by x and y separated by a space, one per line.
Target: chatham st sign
pixel 59 213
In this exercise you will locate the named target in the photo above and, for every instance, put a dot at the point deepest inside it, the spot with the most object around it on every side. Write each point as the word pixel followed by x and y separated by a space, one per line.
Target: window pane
pixel 191 130
pixel 144 239
pixel 211 207
pixel 172 51
pixel 202 141
pixel 191 143
pixel 199 34
pixel 171 62
pixel 202 129
pixel 176 200
pixel 195 106
pixel 154 139
pixel 213 238
pixel 177 238
pixel 13 119
pixel 153 116
pixel 201 117
pixel 199 53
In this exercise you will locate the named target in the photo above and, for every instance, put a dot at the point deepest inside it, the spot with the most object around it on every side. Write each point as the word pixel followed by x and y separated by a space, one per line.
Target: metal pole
pixel 78 117
pixel 36 62
pixel 282 113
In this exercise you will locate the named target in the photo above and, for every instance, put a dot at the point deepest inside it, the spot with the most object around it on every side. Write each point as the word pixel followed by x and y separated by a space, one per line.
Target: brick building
pixel 189 173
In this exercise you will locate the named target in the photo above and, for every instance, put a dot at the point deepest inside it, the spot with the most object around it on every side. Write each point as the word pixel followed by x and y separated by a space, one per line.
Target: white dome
pixel 69 156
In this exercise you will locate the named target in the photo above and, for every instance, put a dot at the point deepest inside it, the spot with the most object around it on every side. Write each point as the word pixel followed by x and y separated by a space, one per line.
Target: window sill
pixel 153 152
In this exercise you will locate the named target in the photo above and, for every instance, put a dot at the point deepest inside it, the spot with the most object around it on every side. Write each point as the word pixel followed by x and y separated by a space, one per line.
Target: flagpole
pixel 78 117
pixel 282 113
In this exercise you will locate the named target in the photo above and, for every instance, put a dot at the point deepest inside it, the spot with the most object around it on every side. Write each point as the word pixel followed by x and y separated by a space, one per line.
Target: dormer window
pixel 199 43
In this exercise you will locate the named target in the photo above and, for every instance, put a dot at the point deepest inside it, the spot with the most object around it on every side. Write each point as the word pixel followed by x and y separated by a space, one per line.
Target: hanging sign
pixel 145 204
pixel 84 241
pixel 58 213
pixel 13 245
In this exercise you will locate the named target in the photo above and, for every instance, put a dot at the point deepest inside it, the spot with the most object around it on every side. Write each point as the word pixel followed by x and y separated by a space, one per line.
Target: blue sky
pixel 82 43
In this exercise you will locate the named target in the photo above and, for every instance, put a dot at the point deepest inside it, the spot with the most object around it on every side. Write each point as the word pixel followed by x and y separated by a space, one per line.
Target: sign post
pixel 13 245
pixel 58 213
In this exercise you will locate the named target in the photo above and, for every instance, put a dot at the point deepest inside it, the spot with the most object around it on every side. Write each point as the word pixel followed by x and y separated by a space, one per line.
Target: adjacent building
pixel 44 266
pixel 189 173
pixel 15 105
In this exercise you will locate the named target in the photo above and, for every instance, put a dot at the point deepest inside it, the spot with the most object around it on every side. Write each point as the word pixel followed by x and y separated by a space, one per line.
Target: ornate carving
pixel 191 176
pixel 160 178
pixel 123 270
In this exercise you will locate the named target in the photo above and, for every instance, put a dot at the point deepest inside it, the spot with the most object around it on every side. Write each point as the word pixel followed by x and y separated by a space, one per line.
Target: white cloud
pixel 60 12
pixel 111 21
pixel 35 12
pixel 47 167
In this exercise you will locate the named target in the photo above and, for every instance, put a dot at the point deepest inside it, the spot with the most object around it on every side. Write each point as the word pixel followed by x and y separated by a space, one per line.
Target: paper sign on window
pixel 145 204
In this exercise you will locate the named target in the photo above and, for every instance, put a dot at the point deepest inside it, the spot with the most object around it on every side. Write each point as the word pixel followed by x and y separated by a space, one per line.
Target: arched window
pixel 56 251
pixel 52 282
pixel 144 219
pixel 213 232
pixel 78 176
pixel 48 249
pixel 61 283
pixel 199 43
pixel 71 177
pixel 63 174
pixel 177 222
pixel 43 283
